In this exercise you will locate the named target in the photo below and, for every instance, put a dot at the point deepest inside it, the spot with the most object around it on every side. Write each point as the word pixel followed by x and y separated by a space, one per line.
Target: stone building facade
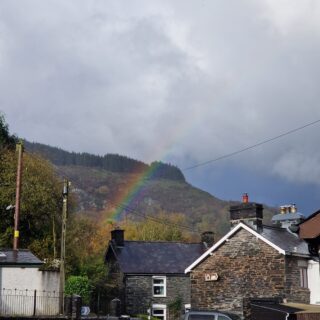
pixel 149 276
pixel 252 261
pixel 246 267
pixel 140 298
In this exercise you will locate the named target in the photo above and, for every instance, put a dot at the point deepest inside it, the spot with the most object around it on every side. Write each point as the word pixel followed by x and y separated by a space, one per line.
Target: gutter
pixel 294 254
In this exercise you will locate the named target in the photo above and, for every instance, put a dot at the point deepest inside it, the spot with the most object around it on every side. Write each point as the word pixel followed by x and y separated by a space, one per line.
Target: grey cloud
pixel 182 81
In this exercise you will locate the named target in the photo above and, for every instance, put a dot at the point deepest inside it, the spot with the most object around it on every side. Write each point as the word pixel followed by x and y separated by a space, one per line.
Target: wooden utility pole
pixel 63 242
pixel 18 193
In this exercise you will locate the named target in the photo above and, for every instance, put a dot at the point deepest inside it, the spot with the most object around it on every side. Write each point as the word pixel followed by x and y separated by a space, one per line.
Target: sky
pixel 181 81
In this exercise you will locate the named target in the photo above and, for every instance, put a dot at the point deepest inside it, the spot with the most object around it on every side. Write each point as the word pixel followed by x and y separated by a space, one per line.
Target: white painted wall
pixel 314 281
pixel 29 278
pixel 16 300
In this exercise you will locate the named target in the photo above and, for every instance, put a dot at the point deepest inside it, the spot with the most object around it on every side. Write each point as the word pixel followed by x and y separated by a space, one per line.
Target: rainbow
pixel 135 188
pixel 133 193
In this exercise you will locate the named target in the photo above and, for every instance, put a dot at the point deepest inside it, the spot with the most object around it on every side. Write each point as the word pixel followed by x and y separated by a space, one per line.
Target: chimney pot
pixel 245 198
pixel 283 209
pixel 293 208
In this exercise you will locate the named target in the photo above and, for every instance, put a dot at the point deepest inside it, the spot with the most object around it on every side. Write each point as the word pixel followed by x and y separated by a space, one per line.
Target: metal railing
pixel 15 302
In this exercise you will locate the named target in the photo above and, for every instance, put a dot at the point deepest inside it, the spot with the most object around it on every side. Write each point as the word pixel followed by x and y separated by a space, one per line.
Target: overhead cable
pixel 231 154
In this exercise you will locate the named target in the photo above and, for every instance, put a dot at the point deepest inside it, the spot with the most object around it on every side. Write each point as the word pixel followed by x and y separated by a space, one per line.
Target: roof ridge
pixel 162 241
pixel 19 250
pixel 274 227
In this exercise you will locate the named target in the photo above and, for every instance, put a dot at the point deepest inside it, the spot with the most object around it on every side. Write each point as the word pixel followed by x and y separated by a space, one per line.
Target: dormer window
pixel 159 286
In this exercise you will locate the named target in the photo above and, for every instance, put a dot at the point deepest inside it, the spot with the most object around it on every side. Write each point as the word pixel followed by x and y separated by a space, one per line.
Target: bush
pixel 79 285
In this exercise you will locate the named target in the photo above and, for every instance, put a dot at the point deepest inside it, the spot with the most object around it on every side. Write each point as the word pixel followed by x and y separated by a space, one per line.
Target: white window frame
pixel 160 307
pixel 164 285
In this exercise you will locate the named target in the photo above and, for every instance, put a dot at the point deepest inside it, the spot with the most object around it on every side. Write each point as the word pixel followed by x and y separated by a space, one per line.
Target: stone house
pixel 24 283
pixel 150 275
pixel 251 261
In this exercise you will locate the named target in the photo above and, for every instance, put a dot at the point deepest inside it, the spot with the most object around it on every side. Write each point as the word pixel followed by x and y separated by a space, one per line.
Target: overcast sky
pixel 179 81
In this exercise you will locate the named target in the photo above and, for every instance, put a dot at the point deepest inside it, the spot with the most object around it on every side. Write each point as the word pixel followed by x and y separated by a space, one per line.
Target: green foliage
pixel 146 317
pixel 162 170
pixel 149 230
pixel 6 140
pixel 175 307
pixel 79 285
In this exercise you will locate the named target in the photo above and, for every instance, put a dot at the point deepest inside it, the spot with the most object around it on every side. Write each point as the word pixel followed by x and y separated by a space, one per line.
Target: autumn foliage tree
pixel 40 207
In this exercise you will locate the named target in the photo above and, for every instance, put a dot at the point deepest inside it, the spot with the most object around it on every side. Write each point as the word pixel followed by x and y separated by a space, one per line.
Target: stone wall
pixel 115 282
pixel 246 266
pixel 294 292
pixel 139 294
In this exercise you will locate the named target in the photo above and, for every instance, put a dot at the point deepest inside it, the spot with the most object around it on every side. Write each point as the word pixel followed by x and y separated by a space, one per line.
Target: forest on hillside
pixel 109 162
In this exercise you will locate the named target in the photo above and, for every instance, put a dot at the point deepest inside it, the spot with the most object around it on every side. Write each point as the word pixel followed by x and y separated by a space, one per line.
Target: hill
pixel 109 162
pixel 100 182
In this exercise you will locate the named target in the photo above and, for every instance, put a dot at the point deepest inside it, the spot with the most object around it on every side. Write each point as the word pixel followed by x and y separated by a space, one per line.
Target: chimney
pixel 288 218
pixel 250 213
pixel 207 238
pixel 117 236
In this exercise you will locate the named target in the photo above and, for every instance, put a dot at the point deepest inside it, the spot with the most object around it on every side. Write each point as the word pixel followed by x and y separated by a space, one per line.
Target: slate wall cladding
pixel 139 295
pixel 247 267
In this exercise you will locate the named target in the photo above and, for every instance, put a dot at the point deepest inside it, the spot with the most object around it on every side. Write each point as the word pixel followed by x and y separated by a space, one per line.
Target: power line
pixel 166 223
pixel 154 219
pixel 228 155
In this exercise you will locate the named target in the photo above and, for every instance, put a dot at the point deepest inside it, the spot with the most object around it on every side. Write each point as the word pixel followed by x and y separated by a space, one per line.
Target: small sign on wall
pixel 211 276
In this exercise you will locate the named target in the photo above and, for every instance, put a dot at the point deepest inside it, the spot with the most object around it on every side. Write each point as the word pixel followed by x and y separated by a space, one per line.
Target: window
pixel 187 307
pixel 159 311
pixel 304 277
pixel 159 286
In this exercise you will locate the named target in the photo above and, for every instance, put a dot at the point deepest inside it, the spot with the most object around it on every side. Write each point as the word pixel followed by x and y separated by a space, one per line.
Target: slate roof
pixel 19 257
pixel 280 239
pixel 142 257
pixel 285 240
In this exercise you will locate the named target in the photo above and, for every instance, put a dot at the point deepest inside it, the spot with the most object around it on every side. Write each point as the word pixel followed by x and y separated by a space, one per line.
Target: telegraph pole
pixel 65 193
pixel 19 148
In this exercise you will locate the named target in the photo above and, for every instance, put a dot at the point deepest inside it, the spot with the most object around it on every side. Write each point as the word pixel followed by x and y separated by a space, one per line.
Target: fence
pixel 15 302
